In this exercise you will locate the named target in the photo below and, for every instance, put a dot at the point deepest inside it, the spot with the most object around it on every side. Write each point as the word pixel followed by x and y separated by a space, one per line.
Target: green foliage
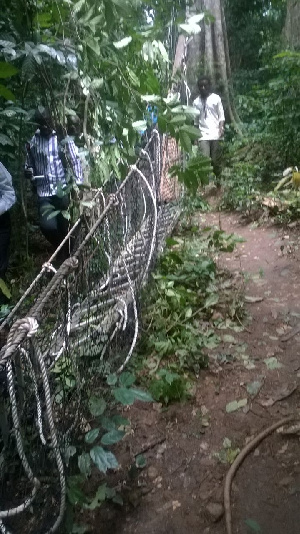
pixel 4 289
pixel 168 386
pixel 253 526
pixel 254 31
pixel 242 186
pixel 228 453
pixel 108 428
pixel 195 173
pixel 184 295
pixel 284 96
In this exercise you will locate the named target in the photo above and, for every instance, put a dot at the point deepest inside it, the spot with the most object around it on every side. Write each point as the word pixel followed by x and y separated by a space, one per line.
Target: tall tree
pixel 292 24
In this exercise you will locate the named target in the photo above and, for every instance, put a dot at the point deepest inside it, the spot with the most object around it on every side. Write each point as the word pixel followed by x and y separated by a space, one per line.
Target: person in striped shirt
pixel 49 162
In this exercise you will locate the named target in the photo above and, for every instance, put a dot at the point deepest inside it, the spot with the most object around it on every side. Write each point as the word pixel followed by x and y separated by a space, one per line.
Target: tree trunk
pixel 292 24
pixel 179 54
pixel 209 48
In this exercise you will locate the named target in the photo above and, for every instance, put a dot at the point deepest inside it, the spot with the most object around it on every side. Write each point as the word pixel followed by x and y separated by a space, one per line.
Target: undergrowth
pixel 190 298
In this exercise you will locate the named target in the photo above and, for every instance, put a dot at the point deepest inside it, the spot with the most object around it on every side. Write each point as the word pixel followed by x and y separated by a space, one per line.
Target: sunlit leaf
pixel 235 405
pixel 91 435
pixel 84 464
pixel 190 29
pixel 104 460
pixel 124 42
pixel 211 300
pixel 4 289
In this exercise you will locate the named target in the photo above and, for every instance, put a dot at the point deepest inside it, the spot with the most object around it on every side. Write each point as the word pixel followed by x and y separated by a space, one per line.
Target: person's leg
pixel 204 146
pixel 55 228
pixel 63 224
pixel 62 204
pixel 4 242
pixel 4 249
pixel 46 205
pixel 216 157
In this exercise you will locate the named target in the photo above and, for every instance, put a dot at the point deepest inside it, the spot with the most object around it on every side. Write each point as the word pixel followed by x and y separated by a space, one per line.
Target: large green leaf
pixel 6 93
pixel 185 141
pixel 124 395
pixel 7 70
pixel 91 435
pixel 193 132
pixel 84 464
pixel 141 395
pixel 126 379
pixel 112 437
pixel 97 406
pixel 103 460
pixel 124 42
pixel 129 395
pixel 4 289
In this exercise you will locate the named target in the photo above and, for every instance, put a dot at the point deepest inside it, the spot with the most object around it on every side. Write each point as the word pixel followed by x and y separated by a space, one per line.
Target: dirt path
pixel 181 489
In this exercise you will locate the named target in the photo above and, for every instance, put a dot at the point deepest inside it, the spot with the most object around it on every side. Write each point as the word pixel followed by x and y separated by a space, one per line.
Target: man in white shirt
pixel 7 199
pixel 211 122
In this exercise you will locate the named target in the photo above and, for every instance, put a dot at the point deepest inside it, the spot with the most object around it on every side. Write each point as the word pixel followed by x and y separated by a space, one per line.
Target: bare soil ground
pixel 181 488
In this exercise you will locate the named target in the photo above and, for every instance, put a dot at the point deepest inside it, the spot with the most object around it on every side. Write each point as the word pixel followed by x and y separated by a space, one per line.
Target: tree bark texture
pixel 292 24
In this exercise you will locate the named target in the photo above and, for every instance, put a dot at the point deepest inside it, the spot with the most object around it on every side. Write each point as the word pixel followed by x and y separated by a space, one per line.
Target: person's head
pixel 73 125
pixel 43 119
pixel 204 86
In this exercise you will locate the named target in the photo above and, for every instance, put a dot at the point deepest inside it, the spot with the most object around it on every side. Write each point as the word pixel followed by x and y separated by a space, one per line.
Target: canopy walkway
pixel 72 327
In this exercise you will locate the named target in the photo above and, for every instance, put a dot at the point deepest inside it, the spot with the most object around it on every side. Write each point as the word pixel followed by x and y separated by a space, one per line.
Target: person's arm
pixel 29 169
pixel 7 192
pixel 221 118
pixel 196 117
pixel 75 161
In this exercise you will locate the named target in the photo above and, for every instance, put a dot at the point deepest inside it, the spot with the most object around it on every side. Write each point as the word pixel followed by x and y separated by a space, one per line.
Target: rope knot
pixel 71 263
pixel 47 266
pixel 113 198
pixel 28 325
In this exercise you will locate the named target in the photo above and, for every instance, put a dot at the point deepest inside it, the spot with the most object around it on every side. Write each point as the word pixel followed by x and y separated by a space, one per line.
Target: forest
pixel 143 418
pixel 97 67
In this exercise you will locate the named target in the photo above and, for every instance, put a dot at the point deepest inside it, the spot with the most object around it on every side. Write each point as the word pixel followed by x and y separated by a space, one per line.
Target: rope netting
pixel 72 327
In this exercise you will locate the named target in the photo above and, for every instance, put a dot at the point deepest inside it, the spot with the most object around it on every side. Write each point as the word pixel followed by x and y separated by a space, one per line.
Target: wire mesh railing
pixel 74 325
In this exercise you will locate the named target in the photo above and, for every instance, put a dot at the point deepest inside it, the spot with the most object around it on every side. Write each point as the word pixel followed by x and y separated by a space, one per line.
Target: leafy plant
pixel 186 290
pixel 242 187
pixel 195 173
pixel 168 386
pixel 108 428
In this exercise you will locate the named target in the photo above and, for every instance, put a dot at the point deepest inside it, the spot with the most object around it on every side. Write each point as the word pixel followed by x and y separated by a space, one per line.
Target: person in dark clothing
pixel 47 159
pixel 7 199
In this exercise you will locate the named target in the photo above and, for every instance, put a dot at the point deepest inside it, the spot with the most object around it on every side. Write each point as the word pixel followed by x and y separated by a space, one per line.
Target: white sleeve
pixel 196 117
pixel 221 111
pixel 7 192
